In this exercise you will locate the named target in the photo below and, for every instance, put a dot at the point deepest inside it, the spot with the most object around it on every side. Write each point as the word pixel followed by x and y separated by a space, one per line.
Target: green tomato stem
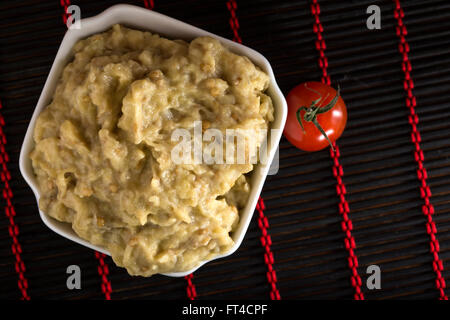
pixel 313 110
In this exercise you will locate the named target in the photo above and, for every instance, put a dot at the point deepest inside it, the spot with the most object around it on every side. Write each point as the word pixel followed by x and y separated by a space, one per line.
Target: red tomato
pixel 312 103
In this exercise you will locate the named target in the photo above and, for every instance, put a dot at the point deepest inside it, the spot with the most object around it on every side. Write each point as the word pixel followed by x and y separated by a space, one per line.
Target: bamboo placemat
pixel 389 202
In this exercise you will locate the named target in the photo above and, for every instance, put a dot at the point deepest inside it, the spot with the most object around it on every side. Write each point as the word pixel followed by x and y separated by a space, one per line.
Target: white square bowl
pixel 143 19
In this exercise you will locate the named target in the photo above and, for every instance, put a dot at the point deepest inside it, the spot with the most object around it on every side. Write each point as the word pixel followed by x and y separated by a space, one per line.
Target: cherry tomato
pixel 314 105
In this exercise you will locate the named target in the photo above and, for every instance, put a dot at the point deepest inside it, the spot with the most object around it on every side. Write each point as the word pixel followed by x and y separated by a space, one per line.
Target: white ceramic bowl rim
pixel 144 19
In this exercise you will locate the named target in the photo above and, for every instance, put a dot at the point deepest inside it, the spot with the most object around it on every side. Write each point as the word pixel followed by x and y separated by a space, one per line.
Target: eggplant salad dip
pixel 103 146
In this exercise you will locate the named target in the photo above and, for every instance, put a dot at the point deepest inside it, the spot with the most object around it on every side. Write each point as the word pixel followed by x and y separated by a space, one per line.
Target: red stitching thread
pixel 11 213
pixel 65 4
pixel 338 171
pixel 266 242
pixel 425 192
pixel 234 23
pixel 263 222
pixel 149 4
pixel 190 288
pixel 103 270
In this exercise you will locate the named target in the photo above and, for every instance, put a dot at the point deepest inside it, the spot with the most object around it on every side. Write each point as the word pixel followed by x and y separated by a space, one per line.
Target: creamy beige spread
pixel 103 147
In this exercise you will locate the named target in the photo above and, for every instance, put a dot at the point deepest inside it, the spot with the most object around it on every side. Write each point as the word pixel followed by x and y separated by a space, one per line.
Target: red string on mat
pixel 103 270
pixel 10 212
pixel 338 171
pixel 263 222
pixel 234 22
pixel 65 4
pixel 190 288
pixel 425 192
pixel 266 242
pixel 149 4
